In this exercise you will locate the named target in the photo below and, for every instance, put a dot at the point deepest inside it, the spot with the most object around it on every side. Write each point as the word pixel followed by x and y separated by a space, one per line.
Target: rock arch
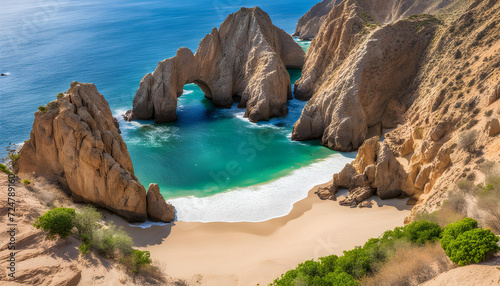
pixel 246 57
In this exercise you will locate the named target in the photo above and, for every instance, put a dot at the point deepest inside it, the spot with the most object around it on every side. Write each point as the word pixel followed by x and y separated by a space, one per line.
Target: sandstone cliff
pixel 76 142
pixel 308 25
pixel 431 89
pixel 246 58
pixel 384 11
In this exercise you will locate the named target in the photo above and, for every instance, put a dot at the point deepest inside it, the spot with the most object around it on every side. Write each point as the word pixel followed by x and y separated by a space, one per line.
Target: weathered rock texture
pixel 308 25
pixel 452 88
pixel 374 170
pixel 77 143
pixel 385 11
pixel 357 53
pixel 246 58
pixel 158 209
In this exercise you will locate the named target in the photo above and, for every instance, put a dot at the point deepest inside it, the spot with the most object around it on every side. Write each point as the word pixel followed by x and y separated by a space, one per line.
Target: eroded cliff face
pixel 385 11
pixel 77 143
pixel 431 101
pixel 355 77
pixel 308 25
pixel 246 58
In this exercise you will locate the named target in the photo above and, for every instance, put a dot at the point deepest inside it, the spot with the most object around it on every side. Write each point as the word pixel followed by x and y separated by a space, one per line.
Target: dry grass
pixel 411 265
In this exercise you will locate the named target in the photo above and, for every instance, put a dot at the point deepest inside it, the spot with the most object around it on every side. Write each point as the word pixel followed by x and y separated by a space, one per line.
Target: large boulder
pixel 390 176
pixel 246 58
pixel 374 170
pixel 493 127
pixel 158 208
pixel 76 142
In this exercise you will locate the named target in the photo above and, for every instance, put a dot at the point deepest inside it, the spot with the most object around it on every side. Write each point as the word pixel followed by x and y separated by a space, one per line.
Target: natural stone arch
pixel 247 57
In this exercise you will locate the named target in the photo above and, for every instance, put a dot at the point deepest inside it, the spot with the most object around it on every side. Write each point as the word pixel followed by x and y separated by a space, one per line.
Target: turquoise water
pixel 210 150
pixel 47 44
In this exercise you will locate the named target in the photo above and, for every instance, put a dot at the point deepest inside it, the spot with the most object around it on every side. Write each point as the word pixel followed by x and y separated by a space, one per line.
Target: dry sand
pixel 243 253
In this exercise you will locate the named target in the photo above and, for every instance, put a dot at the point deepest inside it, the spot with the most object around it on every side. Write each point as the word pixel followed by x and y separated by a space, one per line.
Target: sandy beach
pixel 256 253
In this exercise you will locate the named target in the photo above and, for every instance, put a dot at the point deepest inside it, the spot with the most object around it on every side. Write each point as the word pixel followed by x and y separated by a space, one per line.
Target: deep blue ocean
pixel 45 45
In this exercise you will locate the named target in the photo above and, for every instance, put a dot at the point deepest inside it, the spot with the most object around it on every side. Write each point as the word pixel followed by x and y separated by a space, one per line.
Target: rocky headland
pixel 246 58
pixel 308 25
pixel 76 142
pixel 424 83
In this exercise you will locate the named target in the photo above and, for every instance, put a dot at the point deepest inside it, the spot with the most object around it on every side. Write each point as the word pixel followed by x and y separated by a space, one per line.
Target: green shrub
pixel 452 231
pixel 26 182
pixel 59 221
pixel 472 246
pixel 135 260
pixel 60 95
pixel 360 261
pixel 42 108
pixel 4 169
pixel 85 246
pixel 422 231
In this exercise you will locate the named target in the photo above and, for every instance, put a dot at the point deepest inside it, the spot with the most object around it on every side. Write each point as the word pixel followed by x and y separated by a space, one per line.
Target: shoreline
pixel 251 253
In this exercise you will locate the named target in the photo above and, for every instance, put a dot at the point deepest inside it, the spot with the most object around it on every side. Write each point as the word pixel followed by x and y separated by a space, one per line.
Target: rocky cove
pixel 398 82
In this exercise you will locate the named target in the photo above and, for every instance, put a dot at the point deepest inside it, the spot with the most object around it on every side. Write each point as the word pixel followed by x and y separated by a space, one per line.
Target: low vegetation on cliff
pixel 414 250
pixel 106 239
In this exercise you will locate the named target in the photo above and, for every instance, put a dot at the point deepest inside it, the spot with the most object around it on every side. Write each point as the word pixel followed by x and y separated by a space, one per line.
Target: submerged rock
pixel 247 58
pixel 76 142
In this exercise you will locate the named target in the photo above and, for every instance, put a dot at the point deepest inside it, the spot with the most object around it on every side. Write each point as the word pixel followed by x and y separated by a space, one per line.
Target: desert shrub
pixel 443 216
pixel 26 182
pixel 472 246
pixel 467 141
pixel 87 222
pixel 472 82
pixel 58 221
pixel 452 231
pixel 136 260
pixel 4 169
pixel 85 246
pixel 489 202
pixel 112 239
pixel 42 108
pixel 411 265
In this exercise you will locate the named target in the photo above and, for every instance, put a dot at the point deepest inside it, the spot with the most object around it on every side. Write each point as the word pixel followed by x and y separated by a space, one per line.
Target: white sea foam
pixel 147 224
pixel 260 202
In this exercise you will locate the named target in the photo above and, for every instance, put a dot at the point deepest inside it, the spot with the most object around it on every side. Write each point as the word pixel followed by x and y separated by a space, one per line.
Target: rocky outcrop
pixel 493 127
pixel 158 208
pixel 375 170
pixel 76 142
pixel 308 25
pixel 357 196
pixel 358 68
pixel 246 59
pixel 347 81
pixel 495 95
